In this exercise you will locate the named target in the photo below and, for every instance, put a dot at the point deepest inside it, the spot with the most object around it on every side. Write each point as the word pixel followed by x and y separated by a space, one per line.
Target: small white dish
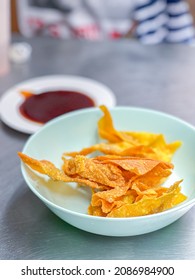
pixel 12 99
pixel 78 129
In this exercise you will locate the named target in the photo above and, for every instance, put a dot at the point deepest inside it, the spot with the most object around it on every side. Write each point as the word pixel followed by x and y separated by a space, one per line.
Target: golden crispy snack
pixel 90 168
pixel 107 200
pixel 143 178
pixel 129 143
pixel 122 186
pixel 48 168
pixel 127 180
pixel 150 205
pixel 120 149
pixel 102 172
pixel 115 171
pixel 107 131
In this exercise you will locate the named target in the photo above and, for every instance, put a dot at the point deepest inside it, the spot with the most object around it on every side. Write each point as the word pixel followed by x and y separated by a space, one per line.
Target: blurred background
pixel 14 17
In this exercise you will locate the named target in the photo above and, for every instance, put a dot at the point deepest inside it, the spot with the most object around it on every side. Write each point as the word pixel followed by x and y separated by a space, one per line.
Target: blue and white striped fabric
pixel 164 21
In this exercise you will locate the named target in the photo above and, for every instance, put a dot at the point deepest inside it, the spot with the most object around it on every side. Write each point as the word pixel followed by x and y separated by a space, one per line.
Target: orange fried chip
pixel 92 169
pixel 138 166
pixel 106 128
pixel 107 200
pixel 103 171
pixel 126 181
pixel 123 186
pixel 129 143
pixel 150 205
pixel 149 183
pixel 143 177
pixel 116 171
pixel 156 142
pixel 96 211
pixel 47 168
pixel 44 167
pixel 120 149
pixel 162 149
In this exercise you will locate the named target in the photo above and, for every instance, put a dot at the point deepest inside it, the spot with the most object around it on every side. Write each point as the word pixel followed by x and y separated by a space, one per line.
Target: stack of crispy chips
pixel 126 181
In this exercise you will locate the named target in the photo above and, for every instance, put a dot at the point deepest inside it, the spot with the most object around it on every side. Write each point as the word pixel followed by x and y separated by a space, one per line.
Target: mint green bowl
pixel 76 130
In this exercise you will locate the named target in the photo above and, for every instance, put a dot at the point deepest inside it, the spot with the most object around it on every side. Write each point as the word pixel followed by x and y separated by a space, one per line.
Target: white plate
pixel 11 99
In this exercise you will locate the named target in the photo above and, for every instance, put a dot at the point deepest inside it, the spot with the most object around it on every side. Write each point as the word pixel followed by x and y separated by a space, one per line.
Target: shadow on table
pixel 12 132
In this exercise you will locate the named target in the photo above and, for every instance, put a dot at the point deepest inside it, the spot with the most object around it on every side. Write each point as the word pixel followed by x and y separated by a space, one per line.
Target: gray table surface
pixel 157 77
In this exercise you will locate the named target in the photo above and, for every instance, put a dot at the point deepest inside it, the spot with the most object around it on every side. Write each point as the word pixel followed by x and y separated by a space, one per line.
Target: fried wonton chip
pixel 150 205
pixel 126 181
pixel 100 201
pixel 115 171
pixel 48 168
pixel 116 181
pixel 139 166
pixel 92 169
pixel 100 172
pixel 108 132
pixel 129 143
pixel 148 175
pixel 120 149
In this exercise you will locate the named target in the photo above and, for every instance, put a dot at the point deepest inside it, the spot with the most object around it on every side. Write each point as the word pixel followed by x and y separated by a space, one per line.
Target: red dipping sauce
pixel 45 106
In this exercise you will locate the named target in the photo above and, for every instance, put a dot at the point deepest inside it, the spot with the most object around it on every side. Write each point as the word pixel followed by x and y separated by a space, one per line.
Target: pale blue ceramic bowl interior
pixel 76 130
